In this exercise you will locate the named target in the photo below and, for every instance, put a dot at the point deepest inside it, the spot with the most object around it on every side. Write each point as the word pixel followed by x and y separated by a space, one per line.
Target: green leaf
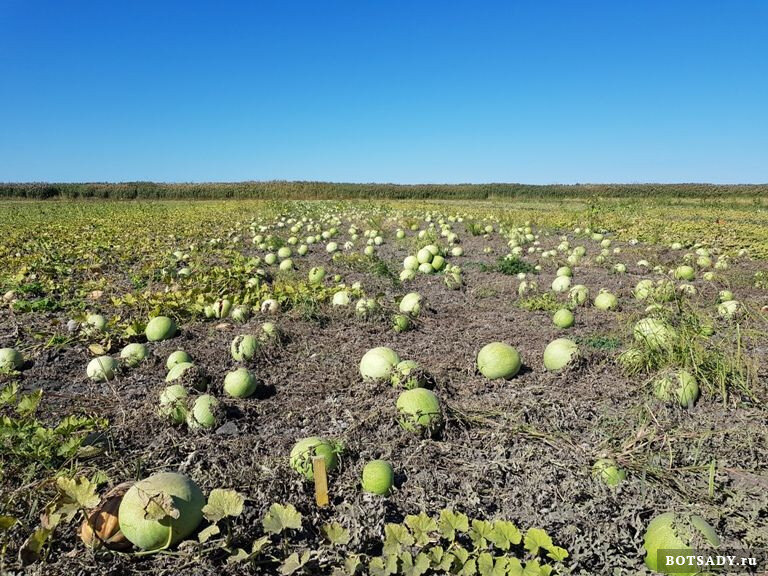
pixel 280 518
pixel 504 535
pixel 533 568
pixel 238 556
pixel 28 403
pixel 461 555
pixel 75 494
pixel 6 522
pixel 479 533
pixel 396 537
pixel 556 553
pixel 414 566
pixel 515 567
pixel 441 561
pixel 383 565
pixel 294 563
pixel 258 545
pixel 99 477
pixel 352 565
pixel 487 565
pixel 535 539
pixel 223 503
pixel 451 522
pixel 421 526
pixel 8 395
pixel 464 564
pixel 469 568
pixel 208 533
pixel 336 534
pixel 30 551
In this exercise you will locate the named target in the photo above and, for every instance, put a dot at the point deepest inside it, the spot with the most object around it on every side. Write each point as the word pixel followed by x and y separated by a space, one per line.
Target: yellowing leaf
pixel 223 503
pixel 336 534
pixel 157 505
pixel 97 349
pixel 294 563
pixel 208 533
pixel 75 494
pixel 31 550
pixel 280 518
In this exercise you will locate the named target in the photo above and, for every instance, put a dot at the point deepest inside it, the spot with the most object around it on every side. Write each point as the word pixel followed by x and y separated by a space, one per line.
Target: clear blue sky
pixel 384 91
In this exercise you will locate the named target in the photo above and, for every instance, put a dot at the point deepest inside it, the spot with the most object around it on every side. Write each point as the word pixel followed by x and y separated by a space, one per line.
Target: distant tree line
pixel 274 190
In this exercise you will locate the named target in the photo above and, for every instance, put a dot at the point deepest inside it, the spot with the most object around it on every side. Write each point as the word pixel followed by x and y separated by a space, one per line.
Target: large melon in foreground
pixel 681 535
pixel 161 510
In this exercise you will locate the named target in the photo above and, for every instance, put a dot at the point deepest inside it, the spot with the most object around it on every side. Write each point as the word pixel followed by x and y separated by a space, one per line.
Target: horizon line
pixel 375 183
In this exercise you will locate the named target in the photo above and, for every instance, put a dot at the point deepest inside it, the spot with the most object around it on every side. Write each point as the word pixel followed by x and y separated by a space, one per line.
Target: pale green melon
pixel 140 505
pixel 240 383
pixel 378 363
pixel 160 328
pixel 498 360
pixel 133 354
pixel 559 353
pixel 102 369
pixel 419 410
pixel 305 449
pixel 679 532
pixel 378 477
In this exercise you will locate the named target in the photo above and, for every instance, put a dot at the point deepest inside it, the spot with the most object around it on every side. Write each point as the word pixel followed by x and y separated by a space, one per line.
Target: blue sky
pixel 384 91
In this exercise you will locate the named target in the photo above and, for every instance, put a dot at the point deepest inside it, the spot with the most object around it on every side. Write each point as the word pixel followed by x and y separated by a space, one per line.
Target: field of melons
pixel 525 388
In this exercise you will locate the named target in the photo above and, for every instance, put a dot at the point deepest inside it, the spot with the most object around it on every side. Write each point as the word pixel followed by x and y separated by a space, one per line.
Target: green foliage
pixel 475 229
pixel 336 534
pixel 455 544
pixel 73 497
pixel 546 302
pixel 421 526
pixel 718 364
pixel 223 503
pixel 280 190
pixel 281 517
pixel 451 543
pixel 28 442
pixel 295 562
pixel 510 266
pixel 37 305
pixel 366 264
pixel 599 342
pixel 451 523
